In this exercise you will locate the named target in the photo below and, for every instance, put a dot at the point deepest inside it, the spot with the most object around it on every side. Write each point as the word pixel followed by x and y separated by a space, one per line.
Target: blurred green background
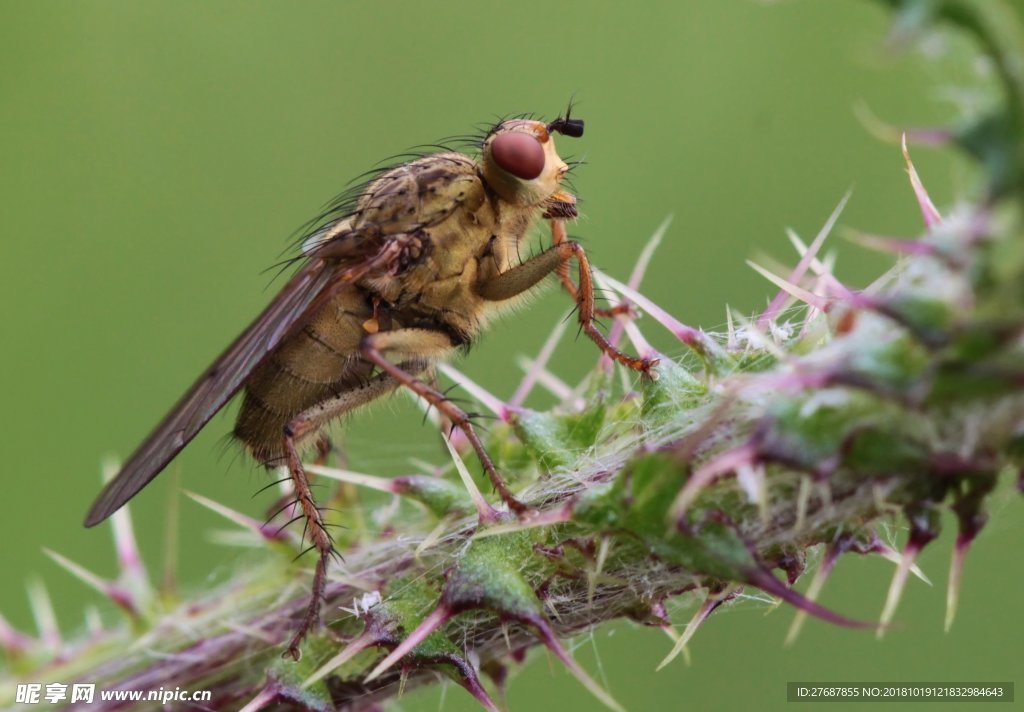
pixel 156 156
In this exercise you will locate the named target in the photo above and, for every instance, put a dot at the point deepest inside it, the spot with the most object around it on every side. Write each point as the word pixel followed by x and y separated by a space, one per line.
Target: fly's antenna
pixel 567 126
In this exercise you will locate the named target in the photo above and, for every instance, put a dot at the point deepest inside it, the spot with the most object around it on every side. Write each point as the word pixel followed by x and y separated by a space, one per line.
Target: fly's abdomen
pixel 315 364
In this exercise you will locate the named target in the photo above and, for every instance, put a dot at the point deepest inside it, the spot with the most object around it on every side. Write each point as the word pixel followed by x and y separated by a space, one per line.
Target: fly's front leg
pixel 559 237
pixel 424 342
pixel 519 279
pixel 295 431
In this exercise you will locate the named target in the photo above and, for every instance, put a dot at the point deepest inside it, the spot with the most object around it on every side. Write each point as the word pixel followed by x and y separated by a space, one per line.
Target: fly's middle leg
pixel 428 341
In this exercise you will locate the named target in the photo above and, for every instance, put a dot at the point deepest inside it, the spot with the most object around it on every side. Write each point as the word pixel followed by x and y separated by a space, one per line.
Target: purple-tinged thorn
pixel 775 306
pixel 889 554
pixel 266 696
pixel 826 276
pixel 44 615
pixel 406 485
pixel 674 636
pixel 825 271
pixel 707 473
pixel 552 383
pixel 536 368
pixel 814 589
pixel 826 282
pixel 381 484
pixel 120 596
pixel 547 636
pixel 169 574
pixel 434 620
pixel 890 133
pixel 530 520
pixel 623 324
pixel 268 531
pixel 485 397
pixel 488 514
pixel 890 245
pixel 924 528
pixel 694 338
pixel 791 380
pixel 642 345
pixel 816 265
pixel 133 569
pixel 786 288
pixel 13 641
pixel 471 682
pixel 709 605
pixel 647 254
pixel 435 535
pixel 771 585
pixel 635 278
pixel 455 435
pixel 956 569
pixel 93 622
pixel 931 215
pixel 899 582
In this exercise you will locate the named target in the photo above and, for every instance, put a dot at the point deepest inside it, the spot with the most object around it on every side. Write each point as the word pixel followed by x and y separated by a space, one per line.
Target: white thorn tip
pixel 484 509
pixel 899 581
pixel 956 569
pixel 929 212
pixel 381 484
pixel 579 673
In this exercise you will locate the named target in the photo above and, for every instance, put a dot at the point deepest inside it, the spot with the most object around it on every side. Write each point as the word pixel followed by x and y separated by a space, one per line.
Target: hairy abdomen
pixel 317 363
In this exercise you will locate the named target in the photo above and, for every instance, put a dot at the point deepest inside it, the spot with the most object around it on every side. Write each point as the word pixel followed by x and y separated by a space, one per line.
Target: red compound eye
pixel 518 153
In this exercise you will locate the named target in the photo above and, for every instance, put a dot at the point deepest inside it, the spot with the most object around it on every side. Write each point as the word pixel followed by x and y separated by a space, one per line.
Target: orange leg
pixel 301 426
pixel 558 237
pixel 429 341
pixel 527 275
pixel 317 534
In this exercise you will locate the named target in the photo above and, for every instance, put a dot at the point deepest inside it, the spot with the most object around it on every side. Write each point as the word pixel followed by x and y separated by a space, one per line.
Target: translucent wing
pixel 330 268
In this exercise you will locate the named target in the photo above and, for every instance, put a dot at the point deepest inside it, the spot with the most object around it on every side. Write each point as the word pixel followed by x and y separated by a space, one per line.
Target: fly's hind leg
pixel 445 425
pixel 297 429
pixel 432 343
pixel 324 447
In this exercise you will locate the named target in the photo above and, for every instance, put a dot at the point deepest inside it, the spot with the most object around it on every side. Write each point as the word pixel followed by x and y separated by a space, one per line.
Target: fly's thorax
pixel 419 194
pixel 520 163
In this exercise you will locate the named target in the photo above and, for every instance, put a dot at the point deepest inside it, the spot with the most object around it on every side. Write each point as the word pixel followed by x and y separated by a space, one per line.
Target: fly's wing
pixel 346 260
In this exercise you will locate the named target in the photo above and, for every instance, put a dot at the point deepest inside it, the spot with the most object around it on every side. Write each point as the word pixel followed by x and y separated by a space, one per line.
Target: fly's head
pixel 519 160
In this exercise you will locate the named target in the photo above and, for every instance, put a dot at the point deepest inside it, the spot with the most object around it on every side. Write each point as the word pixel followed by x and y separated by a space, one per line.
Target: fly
pixel 407 276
